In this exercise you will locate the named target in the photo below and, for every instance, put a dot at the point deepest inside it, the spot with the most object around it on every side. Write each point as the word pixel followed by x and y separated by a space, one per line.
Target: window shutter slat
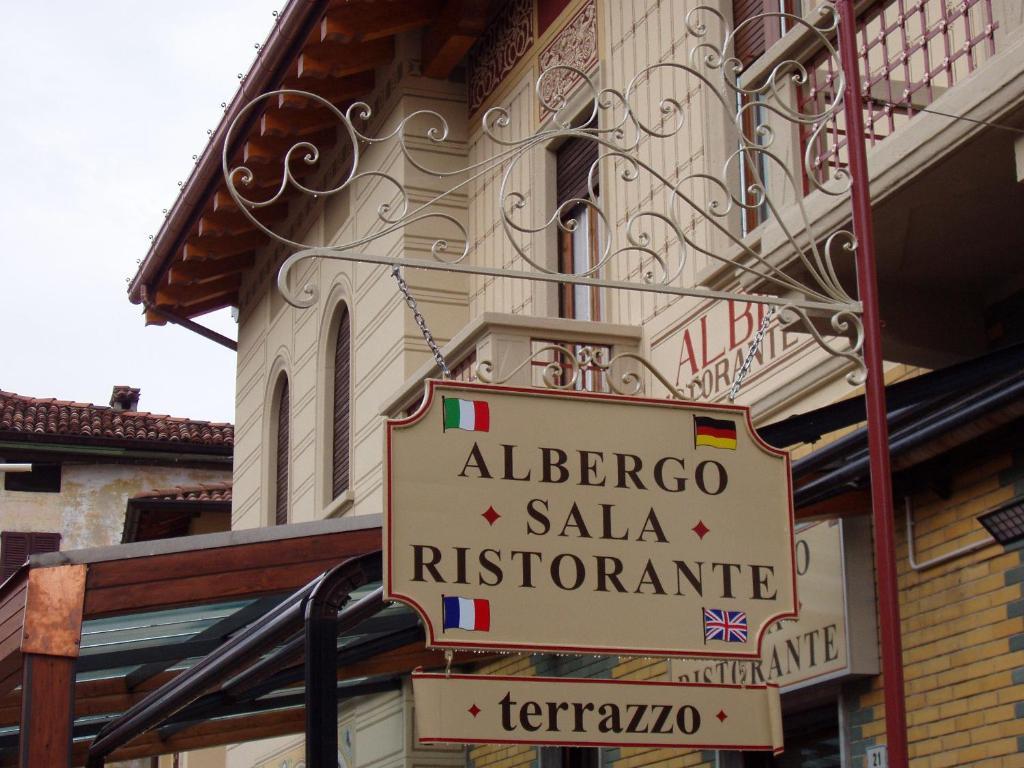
pixel 750 41
pixel 14 551
pixel 342 420
pixel 573 161
pixel 41 543
pixel 281 508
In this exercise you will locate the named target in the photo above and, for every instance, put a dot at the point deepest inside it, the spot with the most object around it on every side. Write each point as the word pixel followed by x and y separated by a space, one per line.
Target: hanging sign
pixel 494 709
pixel 549 520
pixel 835 636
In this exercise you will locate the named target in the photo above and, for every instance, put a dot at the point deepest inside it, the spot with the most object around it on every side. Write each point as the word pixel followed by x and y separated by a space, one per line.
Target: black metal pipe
pixel 950 417
pixel 239 650
pixel 323 625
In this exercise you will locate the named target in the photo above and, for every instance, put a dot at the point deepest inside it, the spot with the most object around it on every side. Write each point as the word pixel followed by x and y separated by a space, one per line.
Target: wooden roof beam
pixel 370 21
pixel 296 122
pixel 198 293
pixel 338 60
pixel 459 24
pixel 333 89
pixel 263 150
pixel 191 272
pixel 216 247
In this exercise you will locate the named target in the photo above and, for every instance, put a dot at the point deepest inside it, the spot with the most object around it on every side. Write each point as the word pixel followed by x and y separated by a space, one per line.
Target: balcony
pixel 528 352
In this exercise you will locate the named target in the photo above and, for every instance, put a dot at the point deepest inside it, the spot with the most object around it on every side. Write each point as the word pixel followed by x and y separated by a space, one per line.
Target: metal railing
pixel 910 53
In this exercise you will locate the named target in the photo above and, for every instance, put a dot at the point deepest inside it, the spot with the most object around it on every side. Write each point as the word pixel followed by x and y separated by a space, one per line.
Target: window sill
pixel 340 506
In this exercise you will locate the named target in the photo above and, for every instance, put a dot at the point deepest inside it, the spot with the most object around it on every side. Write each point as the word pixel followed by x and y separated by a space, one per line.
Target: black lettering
pixel 578 708
pixel 540 517
pixel 606 527
pixel 651 524
pixel 606 574
pixel 727 569
pixel 696 579
pixel 831 651
pixel 530 709
pixel 650 577
pixel 475 460
pixel 492 567
pixel 775 666
pixel 812 637
pixel 575 520
pixel 548 465
pixel 659 475
pixel 556 571
pixel 460 565
pixel 588 469
pixel 793 655
pixel 506 712
pixel 633 472
pixel 761 581
pixel 553 709
pixel 663 710
pixel 721 481
pixel 688 719
pixel 610 722
pixel 639 710
pixel 756 673
pixel 419 564
pixel 510 464
pixel 803 557
pixel 527 580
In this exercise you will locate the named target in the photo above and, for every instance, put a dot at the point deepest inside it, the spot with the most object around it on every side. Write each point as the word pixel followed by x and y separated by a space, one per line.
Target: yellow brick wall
pixel 962 628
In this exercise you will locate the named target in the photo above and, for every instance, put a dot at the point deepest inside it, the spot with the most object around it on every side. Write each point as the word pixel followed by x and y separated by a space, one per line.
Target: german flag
pixel 714 433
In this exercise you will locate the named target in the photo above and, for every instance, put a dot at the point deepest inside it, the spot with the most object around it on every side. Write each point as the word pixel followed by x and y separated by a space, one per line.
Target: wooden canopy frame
pixel 43 606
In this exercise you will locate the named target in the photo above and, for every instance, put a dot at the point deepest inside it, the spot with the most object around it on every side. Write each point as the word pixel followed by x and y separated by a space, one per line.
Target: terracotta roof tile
pixel 37 416
pixel 200 492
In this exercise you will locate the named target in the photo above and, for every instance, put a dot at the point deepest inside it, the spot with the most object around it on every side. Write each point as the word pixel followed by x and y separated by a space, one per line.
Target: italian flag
pixel 471 415
pixel 469 613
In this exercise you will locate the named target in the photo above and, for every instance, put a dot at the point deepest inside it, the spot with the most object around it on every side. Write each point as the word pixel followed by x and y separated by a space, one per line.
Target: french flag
pixel 469 613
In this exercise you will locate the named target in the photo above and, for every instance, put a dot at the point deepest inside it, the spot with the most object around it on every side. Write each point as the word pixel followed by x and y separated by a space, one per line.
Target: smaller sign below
pixel 496 709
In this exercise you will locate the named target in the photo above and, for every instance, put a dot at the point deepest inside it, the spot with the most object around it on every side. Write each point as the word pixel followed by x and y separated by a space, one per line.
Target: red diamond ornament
pixel 474 710
pixel 721 715
pixel 490 516
pixel 700 529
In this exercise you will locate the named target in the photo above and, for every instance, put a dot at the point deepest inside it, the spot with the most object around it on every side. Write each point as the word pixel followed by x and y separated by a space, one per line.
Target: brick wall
pixel 963 646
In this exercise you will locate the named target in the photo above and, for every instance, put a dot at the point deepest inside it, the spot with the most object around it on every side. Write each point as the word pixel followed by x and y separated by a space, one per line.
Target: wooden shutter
pixel 573 161
pixel 15 548
pixel 750 41
pixel 342 417
pixel 281 508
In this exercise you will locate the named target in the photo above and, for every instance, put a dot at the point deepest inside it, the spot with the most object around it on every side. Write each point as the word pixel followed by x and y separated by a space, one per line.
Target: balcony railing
pixel 910 53
pixel 528 352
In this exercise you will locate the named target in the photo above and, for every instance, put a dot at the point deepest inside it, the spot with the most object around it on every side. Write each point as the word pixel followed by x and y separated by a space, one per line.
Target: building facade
pixel 943 82
pixel 86 462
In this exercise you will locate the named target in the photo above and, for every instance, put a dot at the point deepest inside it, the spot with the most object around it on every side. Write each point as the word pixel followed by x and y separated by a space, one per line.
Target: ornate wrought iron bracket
pixel 650 250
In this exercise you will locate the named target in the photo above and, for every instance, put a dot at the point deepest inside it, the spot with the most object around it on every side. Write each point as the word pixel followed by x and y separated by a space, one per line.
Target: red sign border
pixel 432 641
pixel 418 673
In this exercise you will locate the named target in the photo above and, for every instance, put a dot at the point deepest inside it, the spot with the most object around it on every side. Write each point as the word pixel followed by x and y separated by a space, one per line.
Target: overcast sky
pixel 104 105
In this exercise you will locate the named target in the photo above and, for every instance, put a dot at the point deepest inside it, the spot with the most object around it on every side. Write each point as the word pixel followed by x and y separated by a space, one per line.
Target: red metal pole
pixel 878 427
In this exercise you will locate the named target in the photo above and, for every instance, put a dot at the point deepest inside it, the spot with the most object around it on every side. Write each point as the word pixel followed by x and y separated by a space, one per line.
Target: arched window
pixel 281 458
pixel 341 413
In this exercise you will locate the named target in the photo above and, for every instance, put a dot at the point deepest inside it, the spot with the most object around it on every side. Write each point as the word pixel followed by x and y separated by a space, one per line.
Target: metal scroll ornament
pixel 647 247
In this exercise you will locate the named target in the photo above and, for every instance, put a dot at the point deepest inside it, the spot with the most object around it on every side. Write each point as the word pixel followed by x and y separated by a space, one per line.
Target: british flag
pixel 730 626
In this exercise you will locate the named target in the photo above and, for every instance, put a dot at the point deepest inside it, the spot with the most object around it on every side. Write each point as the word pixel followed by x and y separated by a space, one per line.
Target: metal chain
pixel 755 345
pixel 403 288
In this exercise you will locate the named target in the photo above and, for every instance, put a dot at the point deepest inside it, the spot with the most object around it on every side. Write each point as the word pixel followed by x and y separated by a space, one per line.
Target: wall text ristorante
pixel 571 521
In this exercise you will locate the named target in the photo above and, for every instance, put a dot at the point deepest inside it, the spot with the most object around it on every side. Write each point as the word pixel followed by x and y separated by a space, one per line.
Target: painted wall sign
pixel 835 635
pixel 495 709
pixel 707 348
pixel 529 519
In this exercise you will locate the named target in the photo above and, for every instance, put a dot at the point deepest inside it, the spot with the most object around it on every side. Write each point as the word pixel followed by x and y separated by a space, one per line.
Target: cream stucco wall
pixel 89 510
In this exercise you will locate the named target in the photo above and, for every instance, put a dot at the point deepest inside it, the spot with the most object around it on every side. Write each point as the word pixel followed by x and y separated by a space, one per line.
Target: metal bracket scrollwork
pixel 643 249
